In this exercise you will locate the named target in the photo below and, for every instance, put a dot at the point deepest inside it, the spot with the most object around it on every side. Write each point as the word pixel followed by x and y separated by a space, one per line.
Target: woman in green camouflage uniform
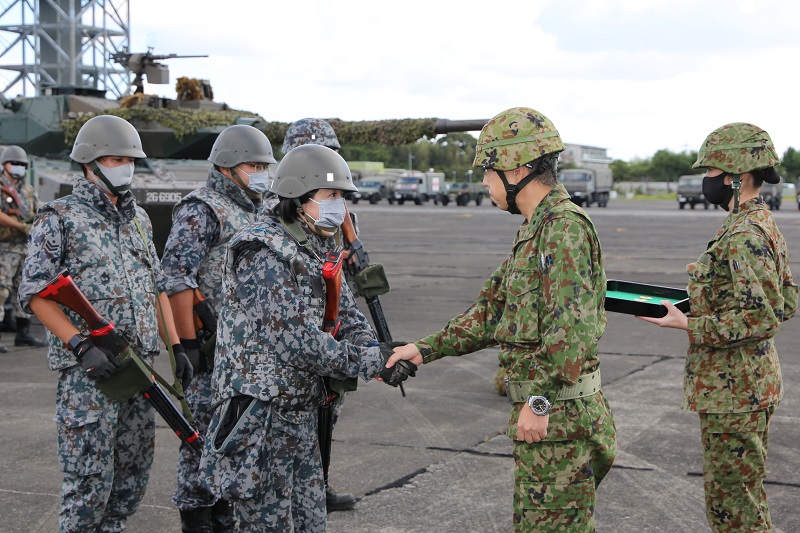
pixel 741 291
pixel 544 308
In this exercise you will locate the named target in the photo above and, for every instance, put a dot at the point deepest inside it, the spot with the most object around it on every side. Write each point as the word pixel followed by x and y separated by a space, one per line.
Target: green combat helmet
pixel 310 131
pixel 310 167
pixel 737 148
pixel 515 137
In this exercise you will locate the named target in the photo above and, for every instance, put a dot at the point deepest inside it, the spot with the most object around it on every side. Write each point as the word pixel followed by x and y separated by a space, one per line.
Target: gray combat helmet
pixel 106 135
pixel 308 168
pixel 241 144
pixel 13 154
pixel 310 131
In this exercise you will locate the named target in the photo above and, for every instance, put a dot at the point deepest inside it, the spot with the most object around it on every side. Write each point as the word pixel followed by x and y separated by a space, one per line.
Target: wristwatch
pixel 539 405
pixel 74 341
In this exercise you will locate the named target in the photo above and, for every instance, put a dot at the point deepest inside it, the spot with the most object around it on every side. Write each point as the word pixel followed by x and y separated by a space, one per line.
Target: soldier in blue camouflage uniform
pixel 203 223
pixel 741 290
pixel 15 223
pixel 544 307
pixel 105 447
pixel 272 351
pixel 318 131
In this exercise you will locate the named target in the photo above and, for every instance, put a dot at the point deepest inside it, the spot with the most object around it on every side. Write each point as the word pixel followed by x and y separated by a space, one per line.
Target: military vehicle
pixel 372 191
pixel 772 193
pixel 690 191
pixel 418 187
pixel 177 135
pixel 462 193
pixel 588 186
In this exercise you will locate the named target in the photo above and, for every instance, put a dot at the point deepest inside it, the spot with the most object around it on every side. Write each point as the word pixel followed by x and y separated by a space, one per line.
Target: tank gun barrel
pixel 444 125
pixel 389 132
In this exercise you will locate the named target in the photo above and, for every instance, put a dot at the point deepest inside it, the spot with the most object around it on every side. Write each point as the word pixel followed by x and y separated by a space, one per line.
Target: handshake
pixel 401 371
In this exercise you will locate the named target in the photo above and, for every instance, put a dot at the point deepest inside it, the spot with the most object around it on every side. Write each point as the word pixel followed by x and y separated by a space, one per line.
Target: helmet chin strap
pixel 513 190
pixel 736 186
pixel 99 173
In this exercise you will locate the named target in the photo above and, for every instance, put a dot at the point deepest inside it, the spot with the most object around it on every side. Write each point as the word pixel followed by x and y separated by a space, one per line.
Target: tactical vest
pixel 112 266
pixel 246 362
pixel 231 218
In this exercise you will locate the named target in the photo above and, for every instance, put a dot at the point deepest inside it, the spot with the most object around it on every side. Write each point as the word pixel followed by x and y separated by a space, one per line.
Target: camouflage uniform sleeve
pixel 354 326
pixel 472 330
pixel 272 300
pixel 45 256
pixel 571 315
pixel 194 230
pixel 147 227
pixel 754 309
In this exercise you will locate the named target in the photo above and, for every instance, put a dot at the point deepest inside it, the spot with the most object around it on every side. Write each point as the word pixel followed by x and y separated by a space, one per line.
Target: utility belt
pixel 586 385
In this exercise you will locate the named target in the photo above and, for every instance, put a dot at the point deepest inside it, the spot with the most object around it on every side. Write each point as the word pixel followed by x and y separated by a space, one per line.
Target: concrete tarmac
pixel 437 460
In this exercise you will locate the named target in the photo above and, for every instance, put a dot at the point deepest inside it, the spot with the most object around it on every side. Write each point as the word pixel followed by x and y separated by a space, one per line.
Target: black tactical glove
pixel 401 371
pixel 192 347
pixel 99 363
pixel 183 367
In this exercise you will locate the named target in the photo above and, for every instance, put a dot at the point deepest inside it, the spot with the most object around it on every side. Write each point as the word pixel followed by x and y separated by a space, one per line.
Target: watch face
pixel 539 405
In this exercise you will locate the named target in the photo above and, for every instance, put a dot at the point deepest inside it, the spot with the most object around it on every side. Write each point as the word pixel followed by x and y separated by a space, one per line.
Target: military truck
pixel 418 187
pixel 772 193
pixel 462 193
pixel 372 191
pixel 588 186
pixel 690 191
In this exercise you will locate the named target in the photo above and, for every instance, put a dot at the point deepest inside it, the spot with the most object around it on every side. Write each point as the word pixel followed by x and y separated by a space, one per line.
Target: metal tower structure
pixel 62 45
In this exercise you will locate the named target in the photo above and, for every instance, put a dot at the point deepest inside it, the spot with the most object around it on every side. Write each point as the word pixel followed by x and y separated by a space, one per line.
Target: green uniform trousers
pixel 734 468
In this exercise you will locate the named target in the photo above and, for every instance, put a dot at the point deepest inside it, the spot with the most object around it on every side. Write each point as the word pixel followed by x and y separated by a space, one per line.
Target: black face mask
pixel 716 192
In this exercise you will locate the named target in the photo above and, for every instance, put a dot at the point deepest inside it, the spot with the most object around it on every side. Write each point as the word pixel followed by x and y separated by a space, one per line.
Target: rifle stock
pixel 332 274
pixel 63 291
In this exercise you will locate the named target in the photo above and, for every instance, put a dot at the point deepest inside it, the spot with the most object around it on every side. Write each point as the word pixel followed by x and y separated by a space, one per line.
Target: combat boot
pixel 24 337
pixel 222 520
pixel 335 501
pixel 8 324
pixel 196 520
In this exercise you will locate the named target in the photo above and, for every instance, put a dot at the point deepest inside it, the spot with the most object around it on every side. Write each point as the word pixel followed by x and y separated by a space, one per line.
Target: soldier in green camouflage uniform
pixel 18 205
pixel 544 307
pixel 741 290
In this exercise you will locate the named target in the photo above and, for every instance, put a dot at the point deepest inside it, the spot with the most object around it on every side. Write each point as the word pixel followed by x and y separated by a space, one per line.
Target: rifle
pixel 332 275
pixel 63 291
pixel 15 205
pixel 358 264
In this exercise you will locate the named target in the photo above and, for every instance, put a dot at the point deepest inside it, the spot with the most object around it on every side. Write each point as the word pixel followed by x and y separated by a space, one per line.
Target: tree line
pixel 452 154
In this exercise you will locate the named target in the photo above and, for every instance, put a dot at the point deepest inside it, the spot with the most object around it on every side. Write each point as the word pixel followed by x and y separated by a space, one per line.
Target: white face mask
pixel 119 177
pixel 331 214
pixel 17 171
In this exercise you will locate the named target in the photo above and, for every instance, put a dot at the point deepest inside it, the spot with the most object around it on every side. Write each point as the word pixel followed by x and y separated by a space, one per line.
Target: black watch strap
pixel 75 341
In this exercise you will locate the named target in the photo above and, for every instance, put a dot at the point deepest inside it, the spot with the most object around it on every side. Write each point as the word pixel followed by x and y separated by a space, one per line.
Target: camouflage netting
pixel 182 121
pixel 388 132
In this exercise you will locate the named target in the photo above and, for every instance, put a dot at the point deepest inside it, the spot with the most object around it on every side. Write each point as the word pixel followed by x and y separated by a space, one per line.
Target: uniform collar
pixel 220 183
pixel 6 180
pixel 557 196
pixel 86 191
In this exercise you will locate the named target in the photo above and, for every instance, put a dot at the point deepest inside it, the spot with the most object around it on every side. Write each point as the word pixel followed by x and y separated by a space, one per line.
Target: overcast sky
pixel 633 76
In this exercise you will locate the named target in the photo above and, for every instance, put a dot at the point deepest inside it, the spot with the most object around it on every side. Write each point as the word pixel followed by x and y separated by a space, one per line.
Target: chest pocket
pixel 311 286
pixel 520 321
pixel 707 287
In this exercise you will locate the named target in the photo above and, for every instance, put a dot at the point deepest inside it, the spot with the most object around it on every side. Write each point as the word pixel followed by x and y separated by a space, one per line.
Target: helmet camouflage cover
pixel 516 137
pixel 310 131
pixel 737 148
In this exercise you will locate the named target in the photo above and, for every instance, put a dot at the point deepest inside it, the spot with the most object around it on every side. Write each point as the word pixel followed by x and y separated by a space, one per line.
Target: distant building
pixel 581 156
